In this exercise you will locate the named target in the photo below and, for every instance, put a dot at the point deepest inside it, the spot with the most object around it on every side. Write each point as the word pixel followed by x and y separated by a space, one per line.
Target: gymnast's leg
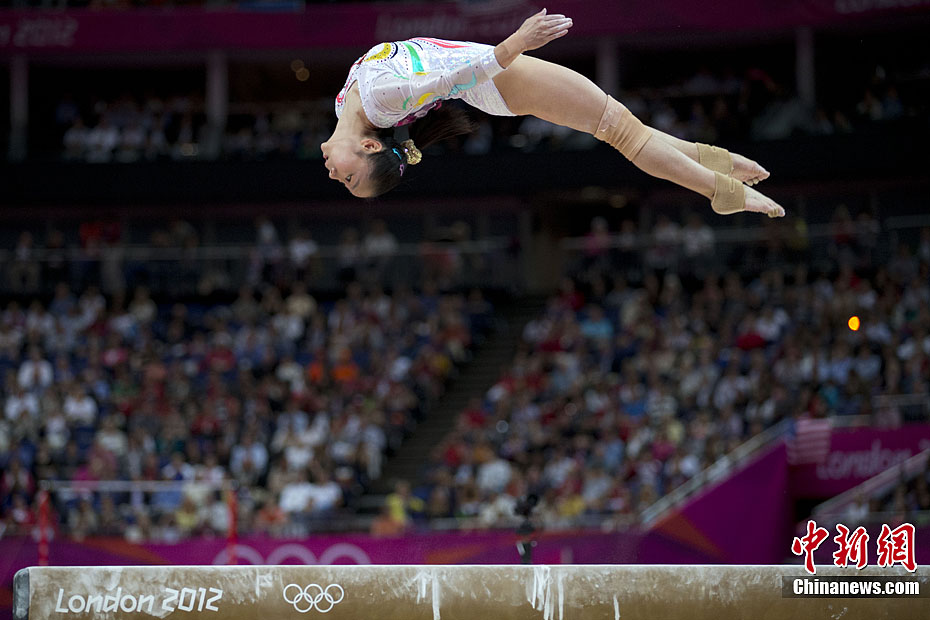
pixel 564 97
pixel 732 164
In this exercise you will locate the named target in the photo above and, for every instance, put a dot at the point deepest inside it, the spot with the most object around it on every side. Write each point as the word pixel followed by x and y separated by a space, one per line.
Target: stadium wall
pixel 363 24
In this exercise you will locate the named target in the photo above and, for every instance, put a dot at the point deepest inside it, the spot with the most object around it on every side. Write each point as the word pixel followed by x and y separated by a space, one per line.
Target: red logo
pixel 808 544
pixel 852 548
pixel 897 546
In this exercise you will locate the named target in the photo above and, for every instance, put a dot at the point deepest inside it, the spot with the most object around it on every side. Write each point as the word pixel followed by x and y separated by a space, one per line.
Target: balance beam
pixel 450 593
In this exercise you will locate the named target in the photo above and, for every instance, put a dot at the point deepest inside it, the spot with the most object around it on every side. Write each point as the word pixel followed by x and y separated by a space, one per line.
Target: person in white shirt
pixel 79 408
pixel 111 438
pixel 36 373
pixel 248 460
pixel 380 242
pixel 21 407
pixel 301 249
pixel 380 246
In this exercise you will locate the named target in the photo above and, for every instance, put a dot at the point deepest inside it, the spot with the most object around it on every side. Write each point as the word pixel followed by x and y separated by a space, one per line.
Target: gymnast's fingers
pixel 560 29
pixel 554 20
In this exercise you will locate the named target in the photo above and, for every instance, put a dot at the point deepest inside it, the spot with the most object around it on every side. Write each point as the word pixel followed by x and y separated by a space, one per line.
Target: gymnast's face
pixel 346 159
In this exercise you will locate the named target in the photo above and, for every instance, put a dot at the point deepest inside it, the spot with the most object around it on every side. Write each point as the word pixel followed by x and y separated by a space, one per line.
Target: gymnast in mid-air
pixel 397 89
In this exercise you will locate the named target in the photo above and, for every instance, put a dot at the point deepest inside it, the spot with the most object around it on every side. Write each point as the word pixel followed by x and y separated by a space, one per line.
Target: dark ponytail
pixel 384 171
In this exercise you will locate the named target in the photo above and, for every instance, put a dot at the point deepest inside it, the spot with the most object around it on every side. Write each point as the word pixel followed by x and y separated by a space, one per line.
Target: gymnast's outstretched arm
pixel 562 96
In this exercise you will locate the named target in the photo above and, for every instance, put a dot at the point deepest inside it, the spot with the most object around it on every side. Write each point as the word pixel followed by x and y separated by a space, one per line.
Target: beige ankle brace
pixel 729 195
pixel 715 158
pixel 621 130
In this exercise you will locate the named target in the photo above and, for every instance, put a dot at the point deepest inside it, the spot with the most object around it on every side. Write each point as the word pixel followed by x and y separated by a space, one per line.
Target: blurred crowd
pixel 907 502
pixel 130 129
pixel 725 106
pixel 705 107
pixel 291 400
pixel 663 349
pixel 630 382
pixel 176 258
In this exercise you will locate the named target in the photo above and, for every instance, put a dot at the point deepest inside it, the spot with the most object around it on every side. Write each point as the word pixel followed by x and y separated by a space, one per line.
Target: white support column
pixel 217 102
pixel 607 68
pixel 804 65
pixel 19 106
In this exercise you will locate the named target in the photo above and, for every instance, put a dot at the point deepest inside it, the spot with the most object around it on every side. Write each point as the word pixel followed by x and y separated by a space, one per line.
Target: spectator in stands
pixel 76 140
pixel 385 526
pixel 21 407
pixel 102 140
pixel 270 519
pixel 35 374
pixel 698 241
pixel 379 248
pixel 402 506
pixel 302 252
pixel 23 271
pixel 349 255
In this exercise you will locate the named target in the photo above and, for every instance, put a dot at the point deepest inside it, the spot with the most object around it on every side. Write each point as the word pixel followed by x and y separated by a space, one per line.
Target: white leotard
pixel 402 81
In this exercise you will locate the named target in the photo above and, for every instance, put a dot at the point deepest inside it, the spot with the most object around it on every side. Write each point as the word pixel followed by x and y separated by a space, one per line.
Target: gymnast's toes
pixel 761 203
pixel 747 171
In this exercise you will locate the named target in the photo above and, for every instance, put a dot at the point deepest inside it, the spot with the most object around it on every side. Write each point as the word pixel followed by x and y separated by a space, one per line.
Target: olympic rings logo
pixel 314 596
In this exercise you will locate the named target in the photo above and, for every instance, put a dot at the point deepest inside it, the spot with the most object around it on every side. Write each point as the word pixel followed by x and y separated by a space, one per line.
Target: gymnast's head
pixel 347 161
pixel 375 162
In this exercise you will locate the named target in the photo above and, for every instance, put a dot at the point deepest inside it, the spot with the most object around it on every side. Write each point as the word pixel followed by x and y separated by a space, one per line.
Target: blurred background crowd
pixel 662 350
pixel 296 400
pixel 705 106
pixel 620 392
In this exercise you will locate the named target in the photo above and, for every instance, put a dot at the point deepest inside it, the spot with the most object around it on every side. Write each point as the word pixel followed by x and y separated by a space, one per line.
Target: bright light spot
pixel 303 74
pixel 854 323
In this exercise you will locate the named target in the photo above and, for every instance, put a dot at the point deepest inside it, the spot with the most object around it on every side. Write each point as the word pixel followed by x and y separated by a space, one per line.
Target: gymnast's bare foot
pixel 747 171
pixel 760 203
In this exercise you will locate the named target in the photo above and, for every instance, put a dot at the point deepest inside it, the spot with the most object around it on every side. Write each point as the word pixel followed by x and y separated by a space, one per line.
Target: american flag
pixel 809 441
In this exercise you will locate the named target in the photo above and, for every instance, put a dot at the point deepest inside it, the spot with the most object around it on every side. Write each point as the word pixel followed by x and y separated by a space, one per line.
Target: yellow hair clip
pixel 412 152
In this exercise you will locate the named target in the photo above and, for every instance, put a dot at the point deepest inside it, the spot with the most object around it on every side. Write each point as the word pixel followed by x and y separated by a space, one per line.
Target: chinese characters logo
pixel 894 546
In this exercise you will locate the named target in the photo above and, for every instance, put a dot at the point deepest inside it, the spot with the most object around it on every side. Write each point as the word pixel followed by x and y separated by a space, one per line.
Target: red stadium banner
pixel 362 25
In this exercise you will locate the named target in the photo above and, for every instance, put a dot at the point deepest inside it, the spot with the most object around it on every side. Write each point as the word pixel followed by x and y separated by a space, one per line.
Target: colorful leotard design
pixel 402 81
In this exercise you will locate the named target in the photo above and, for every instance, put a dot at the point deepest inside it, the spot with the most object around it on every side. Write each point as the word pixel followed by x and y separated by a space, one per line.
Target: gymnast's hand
pixel 535 32
pixel 539 29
